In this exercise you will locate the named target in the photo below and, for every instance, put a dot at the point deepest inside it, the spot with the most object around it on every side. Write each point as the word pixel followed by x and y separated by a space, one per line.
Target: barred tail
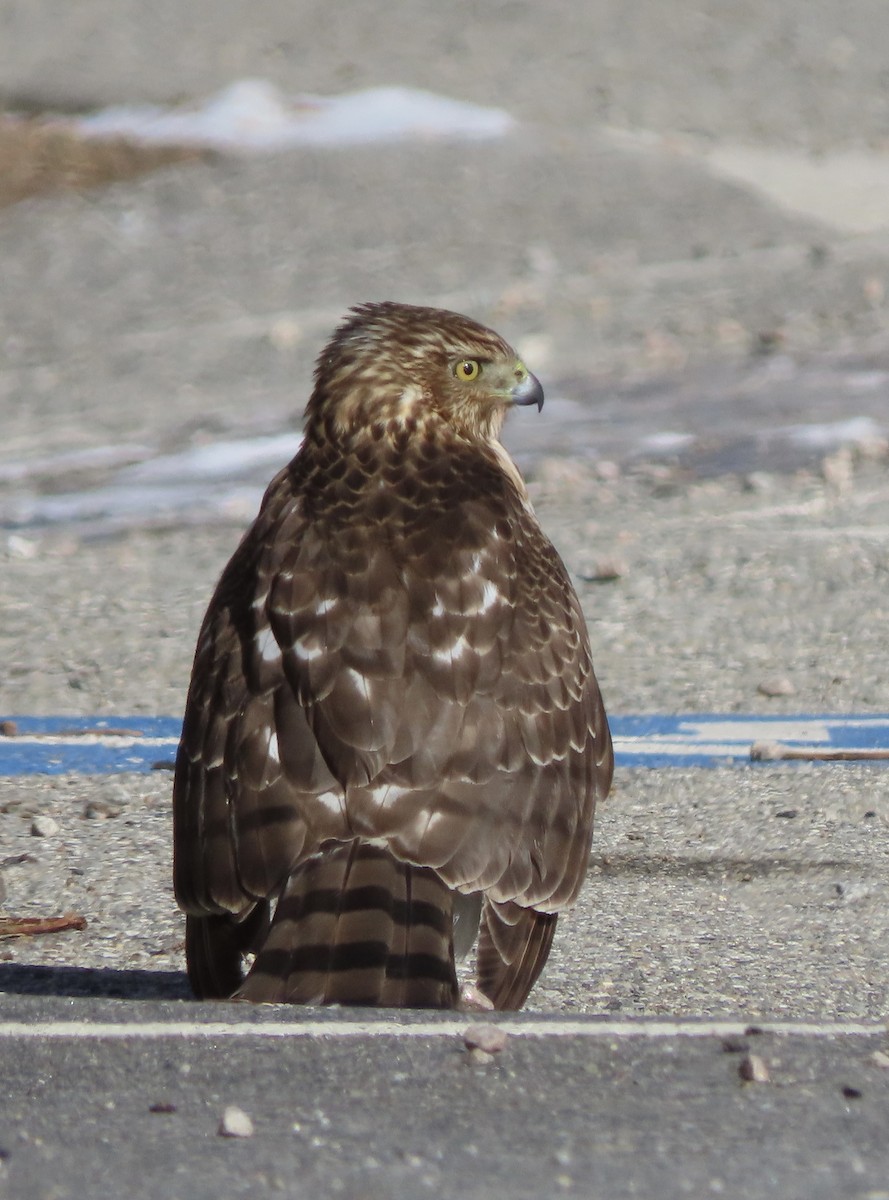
pixel 356 926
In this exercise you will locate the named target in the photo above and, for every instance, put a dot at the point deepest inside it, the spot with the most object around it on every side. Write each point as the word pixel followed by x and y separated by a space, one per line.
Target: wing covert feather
pixel 427 681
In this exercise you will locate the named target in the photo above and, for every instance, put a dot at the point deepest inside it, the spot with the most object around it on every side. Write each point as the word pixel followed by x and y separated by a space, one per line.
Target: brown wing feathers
pixel 513 947
pixel 392 700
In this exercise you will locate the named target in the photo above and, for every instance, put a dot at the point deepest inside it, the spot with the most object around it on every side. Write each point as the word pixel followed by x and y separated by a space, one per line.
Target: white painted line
pixel 621 1030
pixel 76 741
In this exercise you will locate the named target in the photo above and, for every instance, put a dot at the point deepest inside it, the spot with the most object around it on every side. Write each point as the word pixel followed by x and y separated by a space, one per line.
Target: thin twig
pixel 775 751
pixel 12 927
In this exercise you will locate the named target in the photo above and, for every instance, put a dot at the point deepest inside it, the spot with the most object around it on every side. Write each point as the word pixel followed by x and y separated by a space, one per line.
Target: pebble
pixel 486 1037
pixel 235 1123
pixel 759 482
pixel 101 810
pixel 753 1069
pixel 607 471
pixel 19 547
pixel 851 893
pixel 44 827
pixel 479 1057
pixel 880 1059
pixel 776 685
pixel 838 469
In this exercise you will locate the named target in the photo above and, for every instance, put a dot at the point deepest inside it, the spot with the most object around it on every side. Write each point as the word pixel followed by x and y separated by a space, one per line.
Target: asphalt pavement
pixel 377 1105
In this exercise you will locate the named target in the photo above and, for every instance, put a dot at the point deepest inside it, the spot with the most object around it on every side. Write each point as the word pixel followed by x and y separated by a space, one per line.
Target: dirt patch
pixel 37 158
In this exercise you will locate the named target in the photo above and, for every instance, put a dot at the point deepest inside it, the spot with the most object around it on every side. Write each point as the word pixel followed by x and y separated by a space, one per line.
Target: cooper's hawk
pixel 393 732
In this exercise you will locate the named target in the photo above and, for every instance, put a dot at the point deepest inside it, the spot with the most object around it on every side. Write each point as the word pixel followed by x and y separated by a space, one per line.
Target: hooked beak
pixel 528 391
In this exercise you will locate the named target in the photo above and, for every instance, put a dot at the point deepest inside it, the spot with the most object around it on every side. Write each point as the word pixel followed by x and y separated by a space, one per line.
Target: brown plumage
pixel 393 733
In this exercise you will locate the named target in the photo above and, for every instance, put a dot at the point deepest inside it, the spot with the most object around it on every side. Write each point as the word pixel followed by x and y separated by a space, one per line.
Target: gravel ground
pixel 187 305
pixel 759 893
pixel 721 584
pixel 705 897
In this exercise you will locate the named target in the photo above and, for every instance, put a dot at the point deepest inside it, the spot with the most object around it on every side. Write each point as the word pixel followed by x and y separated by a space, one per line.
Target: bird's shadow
pixel 21 979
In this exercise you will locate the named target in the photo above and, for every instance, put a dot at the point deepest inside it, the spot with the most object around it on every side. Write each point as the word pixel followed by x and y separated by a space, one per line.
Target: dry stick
pixel 772 751
pixel 11 927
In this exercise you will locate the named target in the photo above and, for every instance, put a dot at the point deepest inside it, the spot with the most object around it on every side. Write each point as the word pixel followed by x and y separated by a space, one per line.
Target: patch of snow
pixel 89 458
pixel 253 115
pixel 222 479
pixel 666 442
pixel 216 460
pixel 830 434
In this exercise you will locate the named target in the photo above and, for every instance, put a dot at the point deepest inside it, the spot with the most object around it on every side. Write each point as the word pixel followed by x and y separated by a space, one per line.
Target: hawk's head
pixel 396 363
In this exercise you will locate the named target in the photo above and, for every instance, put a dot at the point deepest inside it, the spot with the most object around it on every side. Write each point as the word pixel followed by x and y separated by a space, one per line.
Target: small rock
pixel 162 1106
pixel 607 471
pixel 44 827
pixel 479 1058
pixel 753 1069
pixel 8 729
pixel 787 814
pixel 235 1123
pixel 776 685
pixel 101 810
pixel 483 1036
pixel 880 1059
pixel 852 1093
pixel 851 893
pixel 18 860
pixel 19 547
pixel 759 482
pixel 838 469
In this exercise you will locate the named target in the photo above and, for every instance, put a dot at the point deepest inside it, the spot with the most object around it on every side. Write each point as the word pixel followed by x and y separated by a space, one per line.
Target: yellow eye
pixel 468 369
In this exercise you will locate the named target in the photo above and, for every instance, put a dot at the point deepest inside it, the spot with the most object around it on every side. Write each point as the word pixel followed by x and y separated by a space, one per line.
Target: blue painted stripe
pixel 88 745
pixel 115 745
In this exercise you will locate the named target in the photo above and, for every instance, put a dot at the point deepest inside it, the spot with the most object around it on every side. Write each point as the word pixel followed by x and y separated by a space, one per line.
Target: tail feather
pixel 355 925
pixel 513 947
pixel 215 948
